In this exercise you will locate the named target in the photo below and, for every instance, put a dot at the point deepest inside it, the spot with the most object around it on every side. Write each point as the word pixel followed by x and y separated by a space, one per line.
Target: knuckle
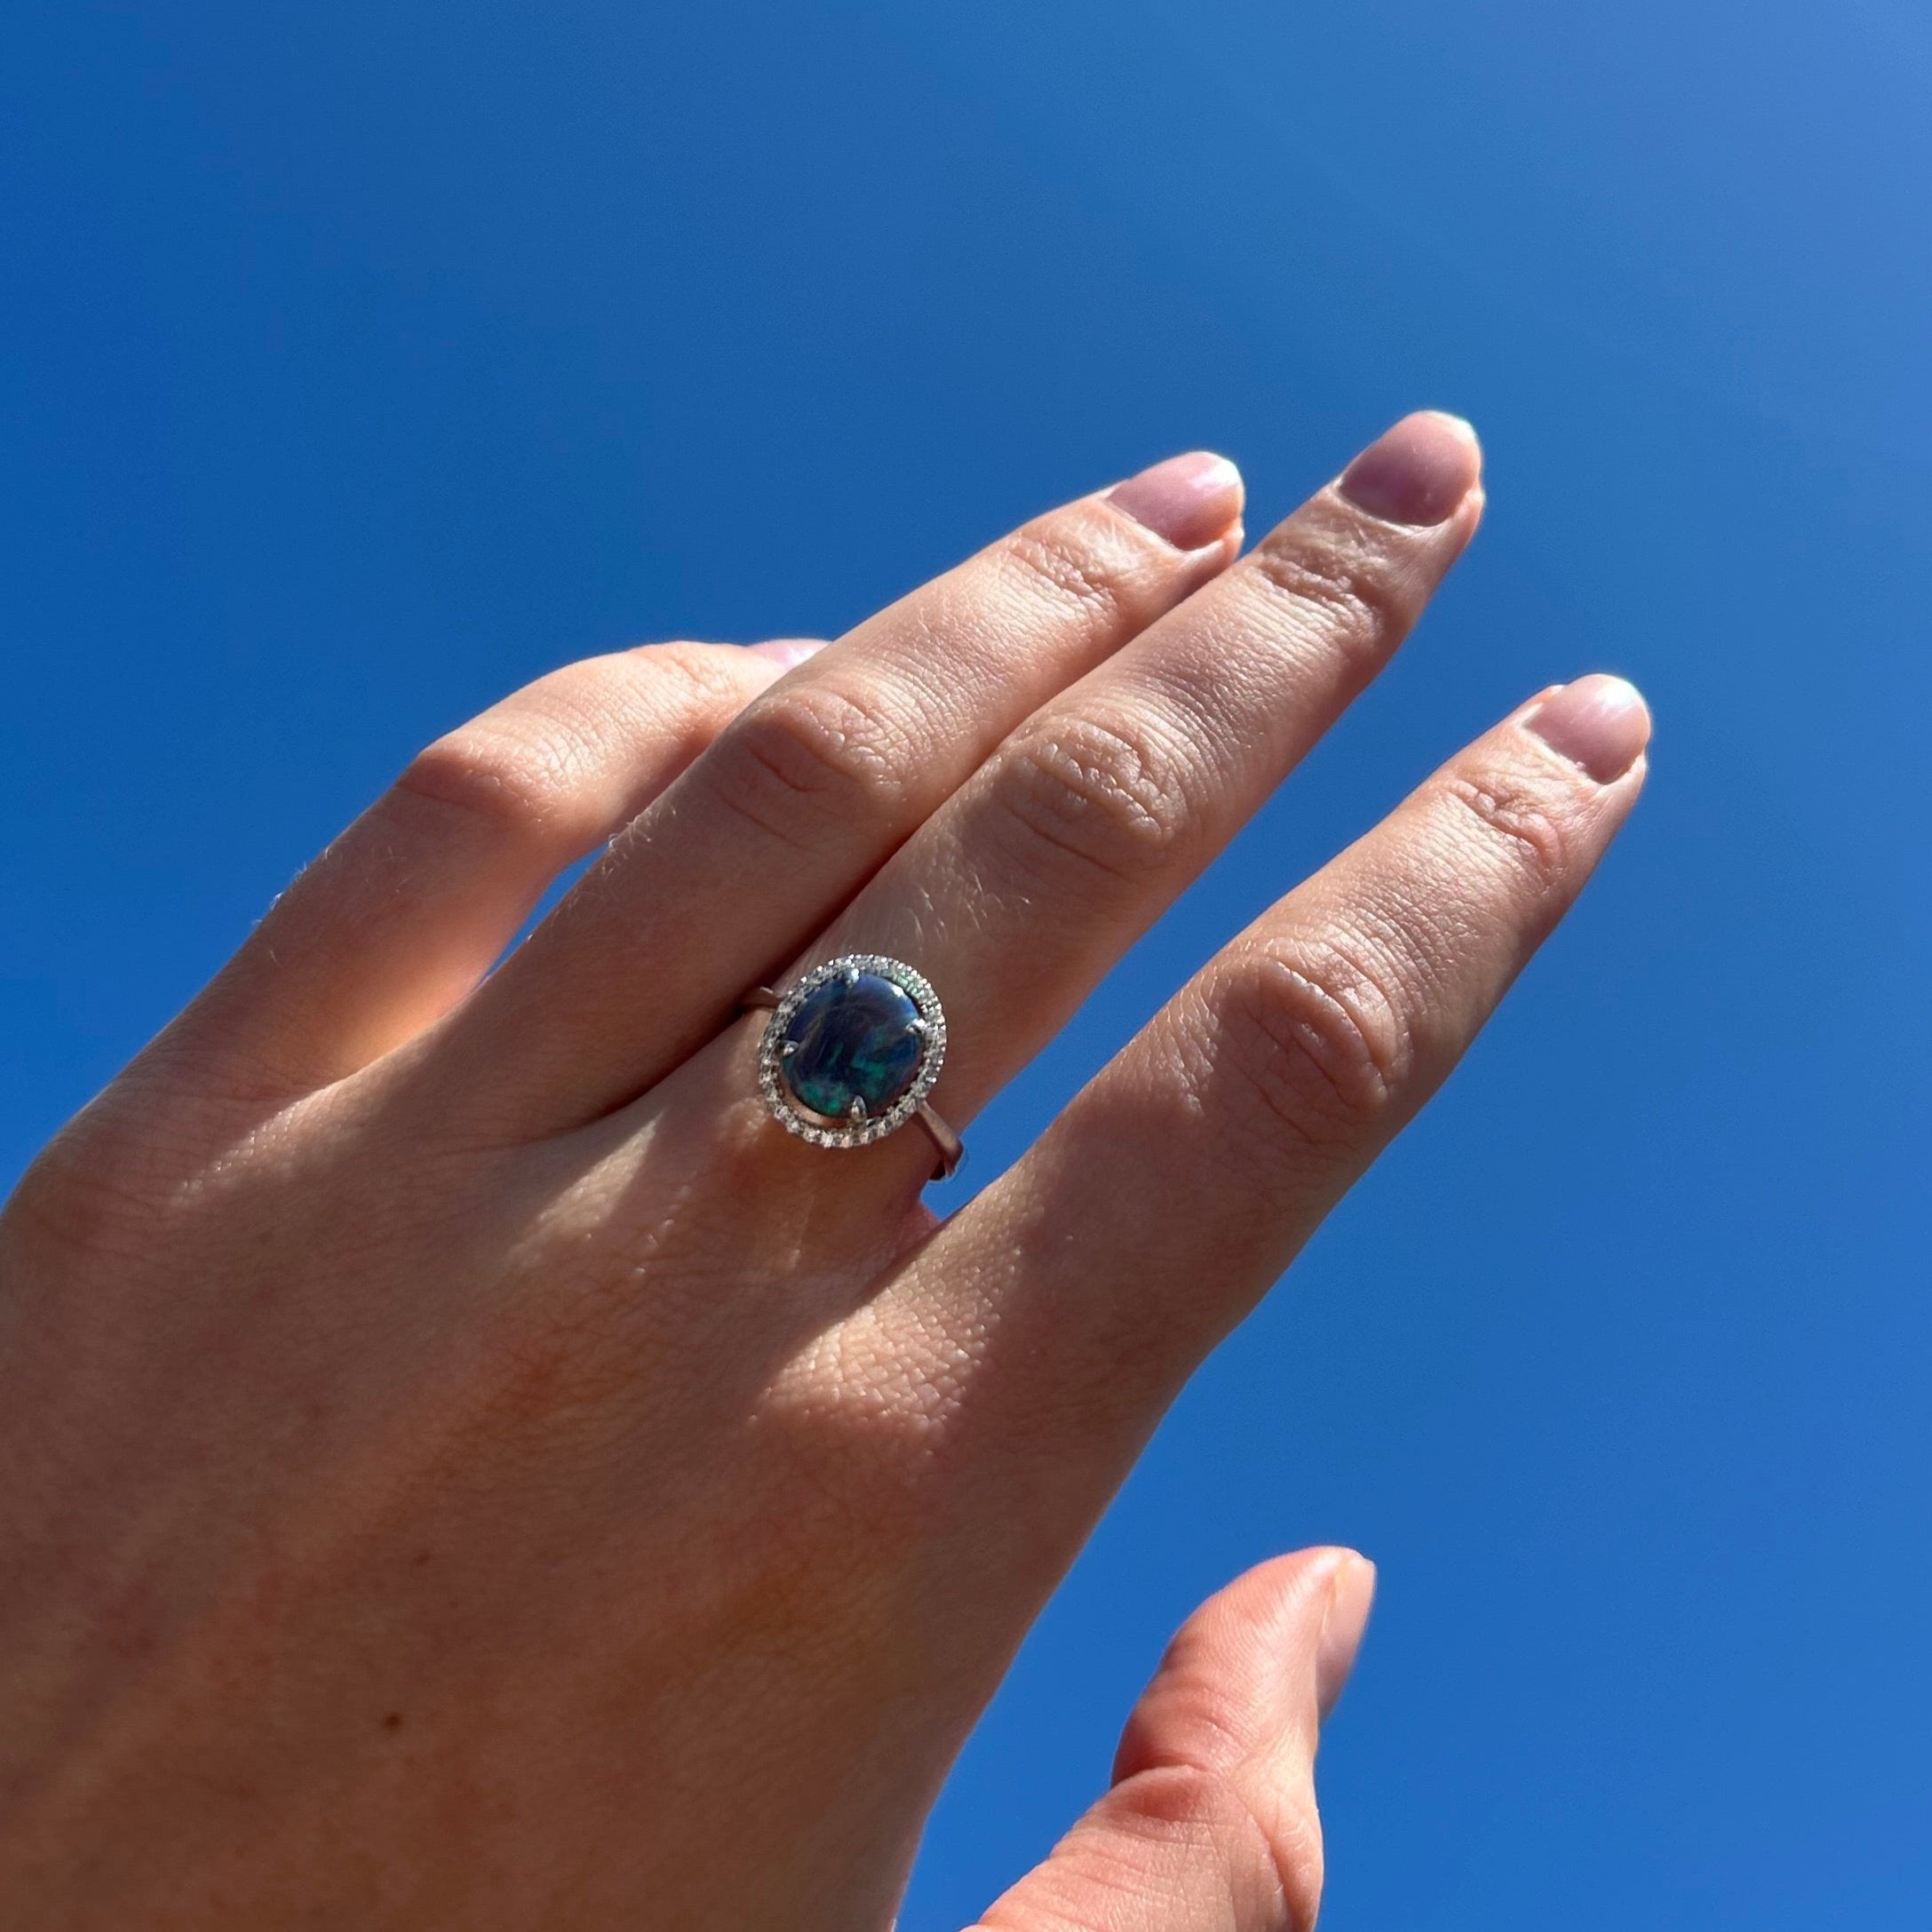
pixel 1095 798
pixel 1267 1857
pixel 1316 1042
pixel 1294 1841
pixel 1337 584
pixel 814 754
pixel 709 678
pixel 512 779
pixel 1062 564
pixel 107 1186
pixel 691 691
pixel 531 765
pixel 1510 814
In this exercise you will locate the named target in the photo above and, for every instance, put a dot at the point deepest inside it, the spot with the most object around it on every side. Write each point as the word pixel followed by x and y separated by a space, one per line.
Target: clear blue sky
pixel 361 361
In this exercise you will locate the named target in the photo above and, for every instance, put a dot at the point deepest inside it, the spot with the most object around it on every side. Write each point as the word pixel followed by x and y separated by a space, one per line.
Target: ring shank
pixel 949 1148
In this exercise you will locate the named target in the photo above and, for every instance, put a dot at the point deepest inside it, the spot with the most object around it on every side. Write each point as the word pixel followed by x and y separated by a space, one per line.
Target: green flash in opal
pixel 857 1039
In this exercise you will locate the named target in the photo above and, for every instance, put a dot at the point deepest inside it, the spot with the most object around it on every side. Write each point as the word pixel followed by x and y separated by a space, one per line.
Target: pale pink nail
pixel 789 651
pixel 1600 723
pixel 1191 501
pixel 1352 1598
pixel 1418 472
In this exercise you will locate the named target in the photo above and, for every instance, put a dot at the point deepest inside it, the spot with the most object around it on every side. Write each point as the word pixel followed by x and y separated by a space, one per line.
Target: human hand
pixel 462 1464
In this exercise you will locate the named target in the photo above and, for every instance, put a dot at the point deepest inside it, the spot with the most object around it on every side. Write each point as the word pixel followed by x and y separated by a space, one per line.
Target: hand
pixel 462 1464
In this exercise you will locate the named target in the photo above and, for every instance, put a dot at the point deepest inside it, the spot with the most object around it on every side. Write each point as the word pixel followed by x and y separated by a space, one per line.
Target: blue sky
pixel 362 361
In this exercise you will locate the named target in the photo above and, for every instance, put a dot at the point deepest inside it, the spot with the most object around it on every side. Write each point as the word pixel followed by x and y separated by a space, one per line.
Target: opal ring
pixel 850 1053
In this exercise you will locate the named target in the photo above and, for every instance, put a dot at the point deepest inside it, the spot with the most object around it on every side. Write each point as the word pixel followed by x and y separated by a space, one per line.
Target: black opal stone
pixel 853 1040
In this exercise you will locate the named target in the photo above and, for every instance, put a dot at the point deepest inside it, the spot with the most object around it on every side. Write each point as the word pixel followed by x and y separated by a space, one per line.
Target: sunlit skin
pixel 463 1465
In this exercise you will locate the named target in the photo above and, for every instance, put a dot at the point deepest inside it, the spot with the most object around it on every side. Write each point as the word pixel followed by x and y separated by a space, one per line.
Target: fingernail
pixel 1418 471
pixel 1600 723
pixel 789 651
pixel 1189 500
pixel 1351 1596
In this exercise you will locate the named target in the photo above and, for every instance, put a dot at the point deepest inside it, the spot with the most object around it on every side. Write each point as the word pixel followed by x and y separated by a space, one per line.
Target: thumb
pixel 1210 1824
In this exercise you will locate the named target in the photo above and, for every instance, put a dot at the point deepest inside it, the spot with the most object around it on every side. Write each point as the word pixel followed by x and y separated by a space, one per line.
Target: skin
pixel 462 1464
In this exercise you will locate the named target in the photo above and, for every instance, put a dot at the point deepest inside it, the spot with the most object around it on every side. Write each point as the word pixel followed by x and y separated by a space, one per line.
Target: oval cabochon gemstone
pixel 853 1040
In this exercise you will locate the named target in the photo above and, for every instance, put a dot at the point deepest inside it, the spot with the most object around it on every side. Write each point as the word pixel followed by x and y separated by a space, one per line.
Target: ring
pixel 850 1053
